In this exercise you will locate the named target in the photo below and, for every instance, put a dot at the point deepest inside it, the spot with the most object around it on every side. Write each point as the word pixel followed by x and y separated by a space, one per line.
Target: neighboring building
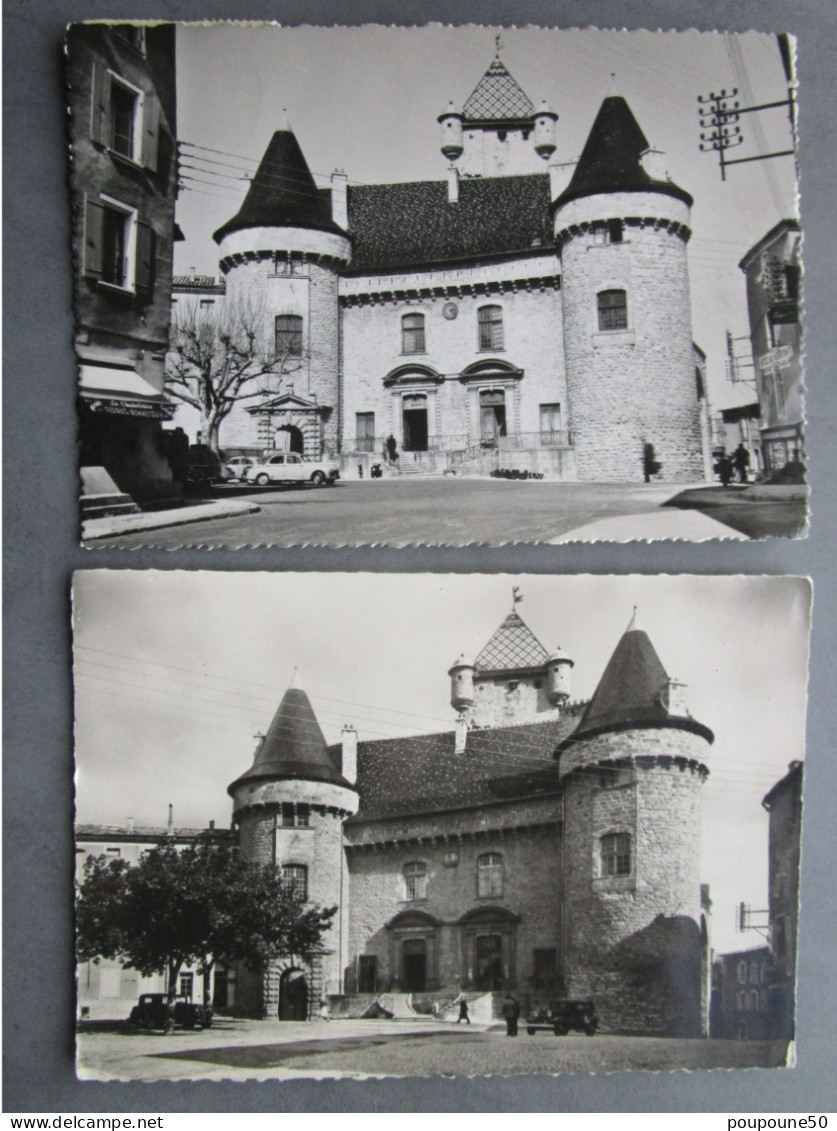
pixel 509 314
pixel 772 268
pixel 124 181
pixel 541 846
pixel 107 989
pixel 740 996
pixel 740 425
pixel 784 804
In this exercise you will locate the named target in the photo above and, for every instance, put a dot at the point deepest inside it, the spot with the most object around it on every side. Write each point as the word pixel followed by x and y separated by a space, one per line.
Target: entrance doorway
pixel 293 996
pixel 414 422
pixel 289 438
pixel 489 962
pixel 367 975
pixel 414 964
pixel 492 414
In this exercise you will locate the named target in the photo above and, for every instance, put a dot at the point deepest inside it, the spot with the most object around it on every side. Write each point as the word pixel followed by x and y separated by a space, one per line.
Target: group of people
pixel 727 466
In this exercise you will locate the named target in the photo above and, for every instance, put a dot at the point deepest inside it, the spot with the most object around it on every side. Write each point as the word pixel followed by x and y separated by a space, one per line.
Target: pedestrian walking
pixel 511 1012
pixel 463 1011
pixel 723 468
pixel 650 466
pixel 392 448
pixel 324 1011
pixel 741 460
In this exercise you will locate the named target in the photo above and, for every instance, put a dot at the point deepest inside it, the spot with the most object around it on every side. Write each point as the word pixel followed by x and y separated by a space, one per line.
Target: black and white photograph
pixel 376 285
pixel 371 824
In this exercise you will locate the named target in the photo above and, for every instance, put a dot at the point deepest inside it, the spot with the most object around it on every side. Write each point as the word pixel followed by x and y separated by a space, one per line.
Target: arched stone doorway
pixel 293 996
pixel 488 940
pixel 289 438
pixel 414 951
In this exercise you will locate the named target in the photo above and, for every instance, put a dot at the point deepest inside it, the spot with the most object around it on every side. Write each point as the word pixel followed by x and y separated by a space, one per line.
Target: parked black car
pixel 151 1012
pixel 561 1016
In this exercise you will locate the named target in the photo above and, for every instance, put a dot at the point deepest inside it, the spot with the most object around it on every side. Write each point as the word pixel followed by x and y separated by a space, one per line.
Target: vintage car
pixel 236 466
pixel 564 1015
pixel 288 467
pixel 151 1012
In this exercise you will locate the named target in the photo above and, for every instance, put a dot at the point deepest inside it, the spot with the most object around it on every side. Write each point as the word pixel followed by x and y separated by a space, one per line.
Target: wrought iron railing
pixel 551 439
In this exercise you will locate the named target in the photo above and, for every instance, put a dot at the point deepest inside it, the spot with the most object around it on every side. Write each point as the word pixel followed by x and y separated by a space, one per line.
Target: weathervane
pixel 498 43
pixel 517 596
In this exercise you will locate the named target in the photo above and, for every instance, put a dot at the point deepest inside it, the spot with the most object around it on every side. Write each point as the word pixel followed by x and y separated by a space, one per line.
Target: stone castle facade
pixel 541 846
pixel 521 312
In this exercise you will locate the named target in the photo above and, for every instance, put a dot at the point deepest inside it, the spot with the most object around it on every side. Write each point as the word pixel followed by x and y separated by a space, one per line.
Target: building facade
pixel 773 269
pixel 519 312
pixel 124 180
pixel 541 846
pixel 784 806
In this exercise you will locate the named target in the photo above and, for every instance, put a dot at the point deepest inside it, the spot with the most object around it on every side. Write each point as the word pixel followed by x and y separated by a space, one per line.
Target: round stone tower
pixel 558 669
pixel 281 255
pixel 632 773
pixel 622 229
pixel 289 808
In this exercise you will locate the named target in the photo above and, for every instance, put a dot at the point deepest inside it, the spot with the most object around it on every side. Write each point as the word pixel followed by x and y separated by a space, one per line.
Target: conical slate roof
pixel 610 160
pixel 282 194
pixel 512 646
pixel 497 97
pixel 294 746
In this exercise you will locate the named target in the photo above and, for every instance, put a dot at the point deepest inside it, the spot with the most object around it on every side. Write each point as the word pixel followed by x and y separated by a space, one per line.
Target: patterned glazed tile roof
pixel 424 774
pixel 611 160
pixel 402 225
pixel 497 97
pixel 512 646
pixel 294 746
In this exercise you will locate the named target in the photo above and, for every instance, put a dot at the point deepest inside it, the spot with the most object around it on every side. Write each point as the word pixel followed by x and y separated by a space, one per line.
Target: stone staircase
pixel 100 497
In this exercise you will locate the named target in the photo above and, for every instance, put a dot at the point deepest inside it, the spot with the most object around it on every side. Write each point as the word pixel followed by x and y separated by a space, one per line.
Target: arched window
pixel 489 874
pixel 490 321
pixel 742 973
pixel 412 333
pixel 415 880
pixel 754 973
pixel 741 999
pixel 288 335
pixel 613 310
pixel 615 854
pixel 296 877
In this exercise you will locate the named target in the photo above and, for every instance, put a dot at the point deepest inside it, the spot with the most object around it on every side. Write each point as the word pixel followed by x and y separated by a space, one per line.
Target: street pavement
pixel 437 511
pixel 272 1050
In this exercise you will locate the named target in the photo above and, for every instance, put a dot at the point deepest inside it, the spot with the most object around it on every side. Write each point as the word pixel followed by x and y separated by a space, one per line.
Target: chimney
pixel 453 185
pixel 212 826
pixel 348 758
pixel 560 176
pixel 461 734
pixel 653 162
pixel 130 824
pixel 339 199
pixel 170 825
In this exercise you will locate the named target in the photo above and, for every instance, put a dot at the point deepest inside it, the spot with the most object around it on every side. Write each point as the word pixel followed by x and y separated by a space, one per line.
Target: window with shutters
pixel 613 310
pixel 490 323
pixel 288 335
pixel 124 120
pixel 118 246
pixel 412 333
pixel 296 877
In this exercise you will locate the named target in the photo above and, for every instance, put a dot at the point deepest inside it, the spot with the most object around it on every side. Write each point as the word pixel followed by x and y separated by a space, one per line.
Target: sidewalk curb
pixel 97 528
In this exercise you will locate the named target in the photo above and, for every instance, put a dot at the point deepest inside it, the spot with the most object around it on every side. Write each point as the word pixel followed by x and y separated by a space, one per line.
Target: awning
pixel 122 392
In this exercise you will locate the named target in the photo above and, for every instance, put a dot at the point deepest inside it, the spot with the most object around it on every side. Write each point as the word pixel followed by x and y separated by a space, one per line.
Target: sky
pixel 366 100
pixel 176 672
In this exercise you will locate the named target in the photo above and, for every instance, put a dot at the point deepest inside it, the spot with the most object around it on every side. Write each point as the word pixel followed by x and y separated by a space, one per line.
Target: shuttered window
pixel 123 119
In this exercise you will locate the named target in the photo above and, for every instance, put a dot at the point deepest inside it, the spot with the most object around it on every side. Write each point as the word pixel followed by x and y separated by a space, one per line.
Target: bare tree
pixel 217 360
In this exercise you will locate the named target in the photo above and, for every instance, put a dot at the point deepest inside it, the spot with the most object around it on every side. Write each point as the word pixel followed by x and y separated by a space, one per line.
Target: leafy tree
pixel 217 360
pixel 201 905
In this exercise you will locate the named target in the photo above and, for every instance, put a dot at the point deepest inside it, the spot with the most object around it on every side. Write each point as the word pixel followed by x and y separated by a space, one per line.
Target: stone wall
pixel 637 385
pixel 511 701
pixel 633 941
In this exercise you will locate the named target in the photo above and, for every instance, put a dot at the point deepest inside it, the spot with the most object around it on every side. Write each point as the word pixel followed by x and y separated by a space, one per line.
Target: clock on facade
pixel 450 859
pixel 450 310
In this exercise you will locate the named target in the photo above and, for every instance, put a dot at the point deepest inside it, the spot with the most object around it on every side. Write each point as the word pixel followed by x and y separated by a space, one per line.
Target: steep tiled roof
pixel 512 646
pixel 497 97
pixel 198 284
pixel 610 160
pixel 423 773
pixel 282 194
pixel 402 225
pixel 294 746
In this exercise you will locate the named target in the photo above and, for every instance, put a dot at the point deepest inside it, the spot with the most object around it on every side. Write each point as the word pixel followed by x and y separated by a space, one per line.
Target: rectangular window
pixel 187 985
pixel 415 880
pixel 288 816
pixel 550 421
pixel 613 310
pixel 412 333
pixel 303 816
pixel 116 238
pixel 118 248
pixel 546 966
pixel 124 112
pixel 296 877
pixel 132 35
pixel 288 335
pixel 365 431
pixel 367 974
pixel 490 875
pixel 490 321
pixel 616 854
pixel 610 232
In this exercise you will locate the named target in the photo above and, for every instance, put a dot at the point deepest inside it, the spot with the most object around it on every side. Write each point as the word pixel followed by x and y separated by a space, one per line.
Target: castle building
pixel 521 311
pixel 541 846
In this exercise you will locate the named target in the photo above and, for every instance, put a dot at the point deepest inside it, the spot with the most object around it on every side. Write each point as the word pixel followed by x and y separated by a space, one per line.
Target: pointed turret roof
pixel 497 97
pixel 611 158
pixel 294 746
pixel 513 646
pixel 282 194
pixel 632 690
